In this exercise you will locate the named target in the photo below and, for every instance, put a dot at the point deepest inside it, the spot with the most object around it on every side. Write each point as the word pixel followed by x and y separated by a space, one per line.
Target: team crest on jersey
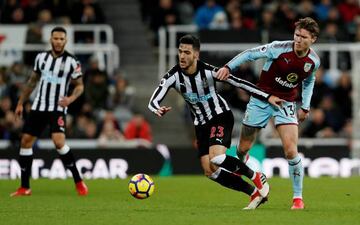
pixel 292 77
pixel 307 67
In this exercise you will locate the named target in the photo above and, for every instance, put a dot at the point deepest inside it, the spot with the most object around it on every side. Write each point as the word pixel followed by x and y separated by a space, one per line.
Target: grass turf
pixel 185 200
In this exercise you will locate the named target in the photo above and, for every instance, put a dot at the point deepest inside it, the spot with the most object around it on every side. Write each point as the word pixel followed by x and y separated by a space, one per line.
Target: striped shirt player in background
pixel 54 69
pixel 289 65
pixel 213 119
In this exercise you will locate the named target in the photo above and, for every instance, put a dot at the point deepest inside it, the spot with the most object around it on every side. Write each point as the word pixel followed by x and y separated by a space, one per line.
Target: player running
pixel 213 119
pixel 289 65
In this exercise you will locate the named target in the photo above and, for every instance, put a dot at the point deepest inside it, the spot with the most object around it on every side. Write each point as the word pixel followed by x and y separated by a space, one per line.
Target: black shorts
pixel 216 132
pixel 37 121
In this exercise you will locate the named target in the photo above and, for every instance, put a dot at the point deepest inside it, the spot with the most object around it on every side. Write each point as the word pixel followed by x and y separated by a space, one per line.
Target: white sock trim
pixel 215 174
pixel 217 160
pixel 255 190
pixel 254 176
pixel 26 151
pixel 65 149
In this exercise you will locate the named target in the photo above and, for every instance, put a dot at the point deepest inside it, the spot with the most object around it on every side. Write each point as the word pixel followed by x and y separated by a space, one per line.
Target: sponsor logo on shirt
pixel 285 83
pixel 194 98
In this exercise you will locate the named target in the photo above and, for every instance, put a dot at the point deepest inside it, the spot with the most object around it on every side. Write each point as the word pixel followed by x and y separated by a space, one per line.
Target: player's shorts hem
pixel 277 125
pixel 259 127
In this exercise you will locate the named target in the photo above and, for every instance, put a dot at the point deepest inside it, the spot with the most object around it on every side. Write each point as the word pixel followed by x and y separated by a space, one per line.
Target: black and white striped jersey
pixel 199 91
pixel 55 75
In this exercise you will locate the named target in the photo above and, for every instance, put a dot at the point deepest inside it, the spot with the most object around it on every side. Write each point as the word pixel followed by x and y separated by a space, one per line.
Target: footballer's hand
pixel 162 111
pixel 275 101
pixel 19 111
pixel 64 101
pixel 223 73
pixel 302 115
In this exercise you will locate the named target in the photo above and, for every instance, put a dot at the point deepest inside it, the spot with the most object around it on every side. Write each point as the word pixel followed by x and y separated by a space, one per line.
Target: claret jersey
pixel 283 71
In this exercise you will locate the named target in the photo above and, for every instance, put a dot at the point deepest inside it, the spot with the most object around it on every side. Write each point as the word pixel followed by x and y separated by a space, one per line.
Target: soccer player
pixel 54 69
pixel 289 65
pixel 213 119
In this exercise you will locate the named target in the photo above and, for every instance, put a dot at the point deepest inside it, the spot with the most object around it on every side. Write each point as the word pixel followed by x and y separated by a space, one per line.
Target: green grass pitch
pixel 185 200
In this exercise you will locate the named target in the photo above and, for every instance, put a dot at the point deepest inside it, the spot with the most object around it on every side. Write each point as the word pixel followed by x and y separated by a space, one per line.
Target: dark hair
pixel 191 40
pixel 308 24
pixel 58 29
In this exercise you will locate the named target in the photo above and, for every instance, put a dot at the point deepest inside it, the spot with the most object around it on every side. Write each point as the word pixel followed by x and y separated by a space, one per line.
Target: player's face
pixel 187 56
pixel 58 41
pixel 303 40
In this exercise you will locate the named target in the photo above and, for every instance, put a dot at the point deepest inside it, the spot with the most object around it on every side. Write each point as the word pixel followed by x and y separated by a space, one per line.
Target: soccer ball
pixel 141 186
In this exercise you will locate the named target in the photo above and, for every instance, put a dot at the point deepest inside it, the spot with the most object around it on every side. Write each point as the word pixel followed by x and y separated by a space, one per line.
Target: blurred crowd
pixel 51 11
pixel 106 109
pixel 339 19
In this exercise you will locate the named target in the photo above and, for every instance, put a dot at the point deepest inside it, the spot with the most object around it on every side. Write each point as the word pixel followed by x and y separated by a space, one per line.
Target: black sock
pixel 235 165
pixel 233 181
pixel 69 162
pixel 25 162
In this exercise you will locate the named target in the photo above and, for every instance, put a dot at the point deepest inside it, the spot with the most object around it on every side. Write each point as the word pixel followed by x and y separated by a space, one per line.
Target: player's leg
pixel 220 139
pixel 287 126
pixel 25 161
pixel 68 160
pixel 238 167
pixel 222 175
pixel 33 126
pixel 289 138
pixel 257 115
pixel 229 179
pixel 247 139
pixel 57 128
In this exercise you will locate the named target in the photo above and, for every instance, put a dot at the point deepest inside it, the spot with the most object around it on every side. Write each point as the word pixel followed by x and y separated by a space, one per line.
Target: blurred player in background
pixel 289 65
pixel 54 69
pixel 213 119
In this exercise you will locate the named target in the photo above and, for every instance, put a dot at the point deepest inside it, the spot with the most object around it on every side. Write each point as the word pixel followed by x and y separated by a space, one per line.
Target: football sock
pixel 68 160
pixel 232 181
pixel 296 172
pixel 233 164
pixel 242 157
pixel 25 161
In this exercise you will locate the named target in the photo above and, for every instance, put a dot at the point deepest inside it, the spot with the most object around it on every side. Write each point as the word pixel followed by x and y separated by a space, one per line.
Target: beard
pixel 57 51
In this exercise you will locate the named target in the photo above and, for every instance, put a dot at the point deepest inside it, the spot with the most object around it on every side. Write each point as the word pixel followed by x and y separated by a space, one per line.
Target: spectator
pixel 185 11
pixel 96 90
pixel 110 130
pixel 138 128
pixel 165 14
pixel 17 75
pixel 322 89
pixel 123 100
pixel 205 14
pixel 306 9
pixel 342 94
pixel 32 10
pixel 85 11
pixel 219 22
pixel 318 126
pixel 333 116
pixel 322 9
pixel 17 17
pixel 7 11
